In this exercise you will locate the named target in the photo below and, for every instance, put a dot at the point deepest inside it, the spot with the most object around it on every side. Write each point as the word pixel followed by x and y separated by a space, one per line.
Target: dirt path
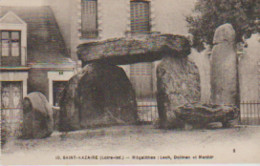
pixel 218 146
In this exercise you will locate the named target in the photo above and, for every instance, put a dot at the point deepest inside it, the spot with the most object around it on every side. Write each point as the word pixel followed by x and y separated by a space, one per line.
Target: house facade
pixel 33 57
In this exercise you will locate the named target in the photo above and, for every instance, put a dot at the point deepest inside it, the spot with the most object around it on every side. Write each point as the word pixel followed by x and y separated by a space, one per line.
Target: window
pixel 140 16
pixel 11 102
pixel 89 25
pixel 11 94
pixel 10 43
pixel 141 78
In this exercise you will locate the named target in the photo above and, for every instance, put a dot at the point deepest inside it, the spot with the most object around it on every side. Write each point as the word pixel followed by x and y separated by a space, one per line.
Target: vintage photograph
pixel 129 82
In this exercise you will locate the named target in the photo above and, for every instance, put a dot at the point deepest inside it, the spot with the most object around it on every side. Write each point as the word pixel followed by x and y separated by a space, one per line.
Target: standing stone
pixel 100 95
pixel 37 116
pixel 224 82
pixel 178 82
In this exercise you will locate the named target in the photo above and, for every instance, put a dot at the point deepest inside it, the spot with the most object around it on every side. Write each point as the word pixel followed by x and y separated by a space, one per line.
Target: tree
pixel 244 15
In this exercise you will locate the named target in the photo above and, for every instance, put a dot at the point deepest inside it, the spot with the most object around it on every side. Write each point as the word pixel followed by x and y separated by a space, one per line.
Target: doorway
pixel 11 104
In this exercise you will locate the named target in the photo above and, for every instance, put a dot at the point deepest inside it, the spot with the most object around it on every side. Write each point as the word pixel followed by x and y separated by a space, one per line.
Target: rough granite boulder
pixel 178 82
pixel 224 72
pixel 37 116
pixel 100 95
pixel 119 51
pixel 200 115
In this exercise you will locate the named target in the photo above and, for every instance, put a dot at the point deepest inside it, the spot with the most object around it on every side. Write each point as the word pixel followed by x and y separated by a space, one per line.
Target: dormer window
pixel 13 40
pixel 10 48
pixel 10 43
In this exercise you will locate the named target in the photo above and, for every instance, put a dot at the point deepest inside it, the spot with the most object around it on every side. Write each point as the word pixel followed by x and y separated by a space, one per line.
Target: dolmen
pixel 201 115
pixel 100 95
pixel 37 116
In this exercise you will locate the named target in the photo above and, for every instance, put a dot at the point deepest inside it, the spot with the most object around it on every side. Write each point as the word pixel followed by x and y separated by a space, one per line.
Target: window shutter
pixel 89 25
pixel 140 17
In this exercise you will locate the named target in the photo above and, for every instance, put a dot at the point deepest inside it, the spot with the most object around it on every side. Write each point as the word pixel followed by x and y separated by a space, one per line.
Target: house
pixel 33 57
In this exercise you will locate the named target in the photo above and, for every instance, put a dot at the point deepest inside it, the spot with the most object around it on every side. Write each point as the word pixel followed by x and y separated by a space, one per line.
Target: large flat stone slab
pixel 200 115
pixel 121 51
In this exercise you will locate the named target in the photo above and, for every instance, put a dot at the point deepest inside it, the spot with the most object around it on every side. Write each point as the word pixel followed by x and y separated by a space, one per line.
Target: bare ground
pixel 233 145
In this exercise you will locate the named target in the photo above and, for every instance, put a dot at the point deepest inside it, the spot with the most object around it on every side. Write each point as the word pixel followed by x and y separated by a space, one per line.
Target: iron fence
pixel 147 111
pixel 250 112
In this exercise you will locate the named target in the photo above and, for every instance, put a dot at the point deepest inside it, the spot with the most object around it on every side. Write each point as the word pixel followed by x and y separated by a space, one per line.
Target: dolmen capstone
pixel 127 50
pixel 178 82
pixel 224 83
pixel 37 116
pixel 99 95
pixel 201 115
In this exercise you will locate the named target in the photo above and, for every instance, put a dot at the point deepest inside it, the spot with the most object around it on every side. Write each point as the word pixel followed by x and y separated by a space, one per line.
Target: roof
pixel 45 44
pixel 133 50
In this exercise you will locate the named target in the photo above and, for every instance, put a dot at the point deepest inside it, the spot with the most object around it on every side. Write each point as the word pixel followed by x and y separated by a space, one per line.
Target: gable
pixel 45 44
pixel 11 18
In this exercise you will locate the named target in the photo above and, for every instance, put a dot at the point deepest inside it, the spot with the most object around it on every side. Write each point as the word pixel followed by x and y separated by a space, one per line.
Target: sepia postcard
pixel 129 82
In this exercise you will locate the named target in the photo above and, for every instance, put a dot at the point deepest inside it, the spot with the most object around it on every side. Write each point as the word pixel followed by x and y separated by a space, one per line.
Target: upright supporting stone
pixel 224 82
pixel 178 83
pixel 100 95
